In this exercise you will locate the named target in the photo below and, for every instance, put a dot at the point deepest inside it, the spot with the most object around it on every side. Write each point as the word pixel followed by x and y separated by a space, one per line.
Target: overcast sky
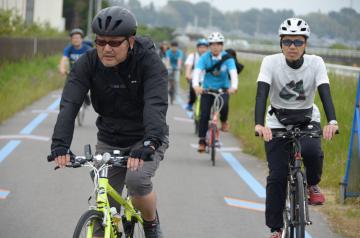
pixel 298 6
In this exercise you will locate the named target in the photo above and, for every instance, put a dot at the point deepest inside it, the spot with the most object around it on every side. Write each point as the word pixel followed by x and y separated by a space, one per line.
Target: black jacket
pixel 131 98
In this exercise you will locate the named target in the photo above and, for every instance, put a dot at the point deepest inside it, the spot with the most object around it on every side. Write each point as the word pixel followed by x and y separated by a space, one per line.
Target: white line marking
pixel 47 111
pixel 183 119
pixel 222 149
pixel 30 137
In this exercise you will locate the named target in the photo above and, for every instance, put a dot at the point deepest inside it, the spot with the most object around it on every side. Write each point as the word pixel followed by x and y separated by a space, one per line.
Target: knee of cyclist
pixel 277 176
pixel 138 186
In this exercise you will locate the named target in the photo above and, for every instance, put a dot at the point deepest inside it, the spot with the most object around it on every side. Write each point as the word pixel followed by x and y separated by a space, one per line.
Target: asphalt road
pixel 195 199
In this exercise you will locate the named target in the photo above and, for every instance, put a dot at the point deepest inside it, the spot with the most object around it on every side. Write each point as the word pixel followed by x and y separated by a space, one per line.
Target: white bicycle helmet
pixel 216 37
pixel 294 26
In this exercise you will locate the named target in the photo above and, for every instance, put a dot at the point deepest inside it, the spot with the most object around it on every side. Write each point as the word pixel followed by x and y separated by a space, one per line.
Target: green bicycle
pixel 196 114
pixel 101 220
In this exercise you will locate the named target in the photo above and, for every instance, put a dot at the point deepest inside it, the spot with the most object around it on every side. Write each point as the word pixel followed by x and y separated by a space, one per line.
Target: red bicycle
pixel 213 133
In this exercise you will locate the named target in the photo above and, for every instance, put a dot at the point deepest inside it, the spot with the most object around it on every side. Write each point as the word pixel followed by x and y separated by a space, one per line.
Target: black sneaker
pixel 152 229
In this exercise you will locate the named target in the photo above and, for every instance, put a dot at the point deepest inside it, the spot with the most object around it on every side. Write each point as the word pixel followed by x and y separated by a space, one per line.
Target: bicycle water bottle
pixel 116 219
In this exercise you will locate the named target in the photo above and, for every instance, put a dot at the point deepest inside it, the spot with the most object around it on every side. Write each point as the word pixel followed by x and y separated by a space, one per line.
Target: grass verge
pixel 25 81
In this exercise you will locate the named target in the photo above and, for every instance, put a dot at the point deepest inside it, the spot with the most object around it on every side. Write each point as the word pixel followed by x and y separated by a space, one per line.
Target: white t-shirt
pixel 191 61
pixel 292 88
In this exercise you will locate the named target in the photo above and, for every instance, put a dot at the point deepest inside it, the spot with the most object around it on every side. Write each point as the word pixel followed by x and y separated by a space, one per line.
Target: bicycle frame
pixel 296 211
pixel 295 167
pixel 103 190
pixel 215 110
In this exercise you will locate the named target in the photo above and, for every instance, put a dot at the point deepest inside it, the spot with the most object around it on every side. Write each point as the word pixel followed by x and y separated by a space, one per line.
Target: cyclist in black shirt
pixel 128 86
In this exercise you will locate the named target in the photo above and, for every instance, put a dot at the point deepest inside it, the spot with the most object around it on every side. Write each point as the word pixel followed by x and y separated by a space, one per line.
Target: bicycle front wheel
pixel 287 214
pixel 88 221
pixel 300 206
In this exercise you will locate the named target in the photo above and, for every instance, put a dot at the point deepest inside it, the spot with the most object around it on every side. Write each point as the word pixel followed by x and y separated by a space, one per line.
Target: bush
pixel 12 24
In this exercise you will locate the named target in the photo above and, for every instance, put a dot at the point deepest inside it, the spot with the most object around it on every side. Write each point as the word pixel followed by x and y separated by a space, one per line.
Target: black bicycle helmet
pixel 174 43
pixel 76 31
pixel 114 21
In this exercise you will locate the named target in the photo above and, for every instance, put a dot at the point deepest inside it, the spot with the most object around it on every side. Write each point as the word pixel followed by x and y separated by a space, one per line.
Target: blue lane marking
pixel 245 204
pixel 54 105
pixel 8 148
pixel 244 174
pixel 33 124
pixel 248 178
pixel 4 194
pixel 11 145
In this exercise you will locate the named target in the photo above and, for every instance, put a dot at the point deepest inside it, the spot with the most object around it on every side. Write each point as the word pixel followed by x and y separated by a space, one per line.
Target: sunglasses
pixel 297 43
pixel 111 43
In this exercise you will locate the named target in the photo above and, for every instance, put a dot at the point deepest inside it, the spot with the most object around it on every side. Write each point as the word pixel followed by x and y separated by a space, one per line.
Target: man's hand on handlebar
pixel 329 131
pixel 61 156
pixel 138 156
pixel 198 90
pixel 231 91
pixel 264 132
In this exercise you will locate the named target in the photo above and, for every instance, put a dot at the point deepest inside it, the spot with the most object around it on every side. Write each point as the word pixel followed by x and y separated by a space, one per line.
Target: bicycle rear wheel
pixel 86 223
pixel 212 143
pixel 299 206
pixel 171 89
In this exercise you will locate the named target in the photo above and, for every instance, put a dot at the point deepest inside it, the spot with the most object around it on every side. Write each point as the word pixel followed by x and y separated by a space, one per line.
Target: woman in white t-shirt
pixel 291 79
pixel 202 45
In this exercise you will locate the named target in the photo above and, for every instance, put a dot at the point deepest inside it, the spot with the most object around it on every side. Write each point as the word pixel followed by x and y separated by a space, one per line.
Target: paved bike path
pixel 195 198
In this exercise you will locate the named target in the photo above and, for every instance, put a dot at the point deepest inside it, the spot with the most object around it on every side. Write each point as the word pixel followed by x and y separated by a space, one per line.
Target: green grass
pixel 27 80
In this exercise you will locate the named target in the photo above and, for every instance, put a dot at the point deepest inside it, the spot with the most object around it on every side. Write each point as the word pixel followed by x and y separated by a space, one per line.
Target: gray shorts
pixel 138 182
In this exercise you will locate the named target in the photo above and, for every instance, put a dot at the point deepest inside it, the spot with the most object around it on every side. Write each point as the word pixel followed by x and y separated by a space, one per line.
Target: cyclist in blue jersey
pixel 217 65
pixel 73 51
pixel 174 58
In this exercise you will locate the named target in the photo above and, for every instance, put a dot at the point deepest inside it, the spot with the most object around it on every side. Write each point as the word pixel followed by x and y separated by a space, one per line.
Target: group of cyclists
pixel 127 80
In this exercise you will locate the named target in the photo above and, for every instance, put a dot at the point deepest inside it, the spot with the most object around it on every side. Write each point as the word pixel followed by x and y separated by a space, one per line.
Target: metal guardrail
pixel 332 68
pixel 310 50
pixel 343 70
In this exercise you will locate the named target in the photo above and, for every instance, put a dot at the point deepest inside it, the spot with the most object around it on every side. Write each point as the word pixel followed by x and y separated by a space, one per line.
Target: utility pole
pixel 90 17
pixel 98 5
pixel 210 14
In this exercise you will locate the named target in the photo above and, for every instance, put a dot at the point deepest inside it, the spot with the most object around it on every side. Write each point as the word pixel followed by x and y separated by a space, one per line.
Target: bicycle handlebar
pixel 216 91
pixel 296 134
pixel 106 158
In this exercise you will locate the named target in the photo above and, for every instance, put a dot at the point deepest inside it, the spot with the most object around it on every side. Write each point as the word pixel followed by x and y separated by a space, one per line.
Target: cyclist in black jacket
pixel 128 86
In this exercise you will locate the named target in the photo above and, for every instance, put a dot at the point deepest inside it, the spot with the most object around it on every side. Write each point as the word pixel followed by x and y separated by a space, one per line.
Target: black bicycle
pixel 296 212
pixel 171 85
